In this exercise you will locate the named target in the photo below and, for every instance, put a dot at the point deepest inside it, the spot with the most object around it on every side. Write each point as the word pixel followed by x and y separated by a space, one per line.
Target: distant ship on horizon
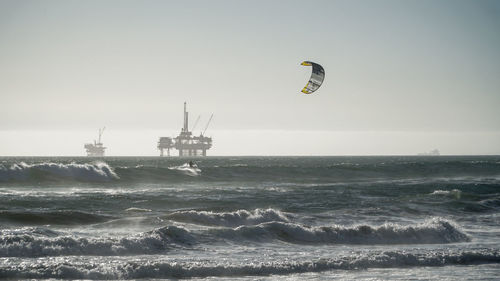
pixel 434 152
pixel 96 149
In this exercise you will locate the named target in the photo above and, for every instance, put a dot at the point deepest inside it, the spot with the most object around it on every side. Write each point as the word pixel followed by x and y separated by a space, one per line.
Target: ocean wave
pixel 151 173
pixel 139 210
pixel 52 217
pixel 433 231
pixel 294 170
pixel 98 171
pixel 237 218
pixel 187 170
pixel 35 242
pixel 454 193
pixel 491 202
pixel 93 268
pixel 32 231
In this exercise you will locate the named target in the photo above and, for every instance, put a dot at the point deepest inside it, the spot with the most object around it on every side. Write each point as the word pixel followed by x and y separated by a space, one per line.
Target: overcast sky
pixel 393 68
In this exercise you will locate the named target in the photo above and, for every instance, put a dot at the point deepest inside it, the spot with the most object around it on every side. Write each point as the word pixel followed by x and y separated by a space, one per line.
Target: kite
pixel 317 77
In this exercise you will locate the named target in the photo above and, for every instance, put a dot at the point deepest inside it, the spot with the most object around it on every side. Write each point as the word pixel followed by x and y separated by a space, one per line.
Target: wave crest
pixel 36 242
pixel 454 193
pixel 147 268
pixel 432 231
pixel 186 169
pixel 237 218
pixel 98 171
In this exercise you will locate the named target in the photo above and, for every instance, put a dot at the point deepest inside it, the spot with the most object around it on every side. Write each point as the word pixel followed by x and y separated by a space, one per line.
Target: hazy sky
pixel 393 68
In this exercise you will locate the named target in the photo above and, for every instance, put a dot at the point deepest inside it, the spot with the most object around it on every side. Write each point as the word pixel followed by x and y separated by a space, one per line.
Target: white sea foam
pixel 76 192
pixel 454 192
pixel 239 165
pixel 98 171
pixel 29 231
pixel 35 242
pixel 147 268
pixel 134 209
pixel 187 170
pixel 237 218
pixel 432 231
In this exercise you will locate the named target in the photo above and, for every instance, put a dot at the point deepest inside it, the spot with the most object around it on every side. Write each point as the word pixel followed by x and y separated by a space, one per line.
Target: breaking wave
pixel 36 242
pixel 99 171
pixel 187 170
pixel 147 268
pixel 237 218
pixel 454 192
pixel 138 210
pixel 433 231
pixel 301 170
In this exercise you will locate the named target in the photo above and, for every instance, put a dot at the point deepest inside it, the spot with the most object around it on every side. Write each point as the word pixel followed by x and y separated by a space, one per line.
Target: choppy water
pixel 251 217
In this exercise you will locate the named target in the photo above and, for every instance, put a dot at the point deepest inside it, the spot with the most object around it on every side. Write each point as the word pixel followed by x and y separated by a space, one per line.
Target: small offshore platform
pixel 96 149
pixel 185 142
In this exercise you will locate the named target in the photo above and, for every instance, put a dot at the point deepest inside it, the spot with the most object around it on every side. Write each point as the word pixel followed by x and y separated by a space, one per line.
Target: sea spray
pixel 433 231
pixel 33 242
pixel 94 268
pixel 236 218
pixel 250 217
pixel 98 171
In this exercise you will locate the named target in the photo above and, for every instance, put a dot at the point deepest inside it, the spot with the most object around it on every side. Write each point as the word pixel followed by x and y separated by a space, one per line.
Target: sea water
pixel 283 218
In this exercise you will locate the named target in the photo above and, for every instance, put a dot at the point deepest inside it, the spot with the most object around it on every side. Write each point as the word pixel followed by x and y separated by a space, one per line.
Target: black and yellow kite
pixel 317 77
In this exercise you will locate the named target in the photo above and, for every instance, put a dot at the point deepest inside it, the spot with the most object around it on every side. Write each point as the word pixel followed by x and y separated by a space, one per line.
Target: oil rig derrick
pixel 185 142
pixel 96 149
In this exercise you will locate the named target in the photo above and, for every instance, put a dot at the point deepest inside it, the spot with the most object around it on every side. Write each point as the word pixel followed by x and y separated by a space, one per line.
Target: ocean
pixel 250 218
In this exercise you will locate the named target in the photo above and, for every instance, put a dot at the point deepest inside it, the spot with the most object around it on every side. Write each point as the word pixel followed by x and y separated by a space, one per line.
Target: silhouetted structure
pixel 185 142
pixel 97 148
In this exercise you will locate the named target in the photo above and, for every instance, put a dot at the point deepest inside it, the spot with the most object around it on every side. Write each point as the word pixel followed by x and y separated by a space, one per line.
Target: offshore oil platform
pixel 185 142
pixel 96 149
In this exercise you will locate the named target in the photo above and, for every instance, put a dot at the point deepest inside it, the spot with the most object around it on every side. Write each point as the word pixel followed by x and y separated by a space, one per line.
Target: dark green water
pixel 322 217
